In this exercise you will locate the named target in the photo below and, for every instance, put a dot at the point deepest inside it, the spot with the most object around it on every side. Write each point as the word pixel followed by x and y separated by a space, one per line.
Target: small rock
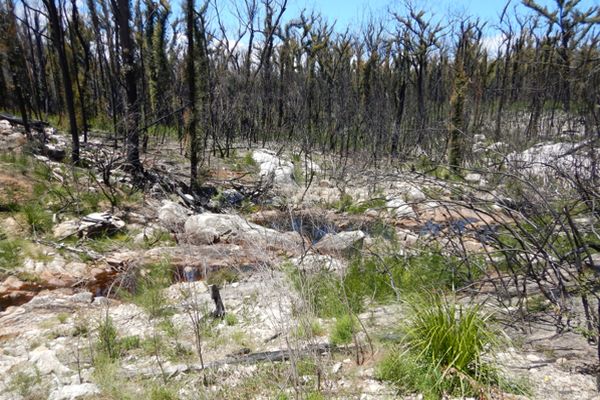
pixel 65 229
pixel 399 208
pixel 473 178
pixel 75 392
pixel 341 242
pixel 336 368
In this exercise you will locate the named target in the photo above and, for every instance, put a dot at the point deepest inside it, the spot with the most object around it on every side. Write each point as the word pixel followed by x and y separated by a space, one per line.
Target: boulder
pixel 232 197
pixel 46 362
pixel 400 208
pixel 5 127
pixel 172 216
pixel 209 228
pixel 340 243
pixel 272 167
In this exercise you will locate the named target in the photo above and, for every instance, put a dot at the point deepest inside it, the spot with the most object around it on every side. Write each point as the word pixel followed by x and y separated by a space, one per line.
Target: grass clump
pixel 108 344
pixel 324 292
pixel 442 351
pixel 361 207
pixel 309 329
pixel 11 254
pixel 38 219
pixel 344 330
pixel 148 293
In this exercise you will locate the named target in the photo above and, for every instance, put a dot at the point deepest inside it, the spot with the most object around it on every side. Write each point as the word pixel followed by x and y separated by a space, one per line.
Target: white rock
pixel 473 177
pixel 172 216
pixel 5 127
pixel 75 392
pixel 336 367
pixel 399 208
pixel 341 242
pixel 209 228
pixel 46 362
pixel 317 262
pixel 65 229
pixel 271 166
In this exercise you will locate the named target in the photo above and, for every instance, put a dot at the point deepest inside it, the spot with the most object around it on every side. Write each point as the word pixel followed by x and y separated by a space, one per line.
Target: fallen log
pixel 33 123
pixel 251 358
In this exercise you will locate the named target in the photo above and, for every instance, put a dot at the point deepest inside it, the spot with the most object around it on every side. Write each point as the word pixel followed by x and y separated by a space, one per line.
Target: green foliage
pixel 106 376
pixel 309 329
pixel 442 350
pixel 108 345
pixel 344 329
pixel 230 319
pixel 381 229
pixel 222 277
pixel 248 161
pixel 449 334
pixel 11 254
pixel 38 219
pixel 323 292
pixel 343 203
pixel 28 385
pixel 360 208
pixel 306 366
pixel 162 393
pixel 149 290
pixel 107 242
pixel 129 343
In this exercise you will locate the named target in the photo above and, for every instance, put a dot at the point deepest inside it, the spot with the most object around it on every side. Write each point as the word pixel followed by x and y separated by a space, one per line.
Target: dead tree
pixel 216 297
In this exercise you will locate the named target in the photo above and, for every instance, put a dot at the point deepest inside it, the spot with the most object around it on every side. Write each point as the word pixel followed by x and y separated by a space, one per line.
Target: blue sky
pixel 352 12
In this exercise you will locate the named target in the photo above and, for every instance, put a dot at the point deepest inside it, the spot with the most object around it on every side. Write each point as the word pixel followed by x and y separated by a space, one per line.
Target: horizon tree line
pixel 407 84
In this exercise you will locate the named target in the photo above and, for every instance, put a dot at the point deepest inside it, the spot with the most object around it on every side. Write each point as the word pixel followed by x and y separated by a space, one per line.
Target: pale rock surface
pixel 46 362
pixel 281 171
pixel 172 216
pixel 317 262
pixel 400 208
pixel 209 228
pixel 340 242
pixel 75 392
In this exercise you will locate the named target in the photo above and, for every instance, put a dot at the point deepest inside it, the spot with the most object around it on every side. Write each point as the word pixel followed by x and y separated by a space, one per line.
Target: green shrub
pixel 309 329
pixel 11 254
pixel 322 291
pixel 27 385
pixel 344 329
pixel 129 343
pixel 248 161
pixel 442 350
pixel 230 319
pixel 148 293
pixel 344 202
pixel 162 393
pixel 38 219
pixel 108 345
pixel 360 208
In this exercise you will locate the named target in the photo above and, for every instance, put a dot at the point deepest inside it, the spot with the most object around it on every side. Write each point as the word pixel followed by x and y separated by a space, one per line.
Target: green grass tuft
pixel 442 351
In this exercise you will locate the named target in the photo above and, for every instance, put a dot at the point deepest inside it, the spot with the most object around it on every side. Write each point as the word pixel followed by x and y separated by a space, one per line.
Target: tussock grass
pixel 442 352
